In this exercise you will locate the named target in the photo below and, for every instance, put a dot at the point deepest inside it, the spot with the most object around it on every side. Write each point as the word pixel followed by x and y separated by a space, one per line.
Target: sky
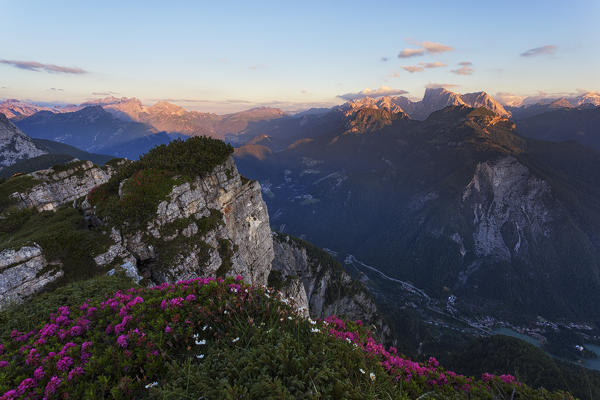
pixel 227 56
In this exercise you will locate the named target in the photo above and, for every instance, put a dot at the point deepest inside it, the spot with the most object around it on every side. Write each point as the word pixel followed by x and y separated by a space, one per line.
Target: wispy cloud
pixel 413 68
pixel 433 47
pixel 434 64
pixel 39 67
pixel 53 89
pixel 425 47
pixel 422 66
pixel 464 70
pixel 107 93
pixel 383 59
pixel 440 85
pixel 382 91
pixel 538 51
pixel 411 53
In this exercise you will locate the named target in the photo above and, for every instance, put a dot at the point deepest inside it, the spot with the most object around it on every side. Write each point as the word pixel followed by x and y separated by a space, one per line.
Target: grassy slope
pixel 217 341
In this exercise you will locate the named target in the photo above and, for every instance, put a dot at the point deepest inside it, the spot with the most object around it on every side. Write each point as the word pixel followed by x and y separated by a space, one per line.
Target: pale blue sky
pixel 227 56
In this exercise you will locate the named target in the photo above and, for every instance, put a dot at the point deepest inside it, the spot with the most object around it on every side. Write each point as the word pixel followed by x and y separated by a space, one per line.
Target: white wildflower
pixel 200 342
pixel 235 340
pixel 205 327
pixel 362 371
pixel 200 356
pixel 315 330
pixel 150 385
pixel 372 376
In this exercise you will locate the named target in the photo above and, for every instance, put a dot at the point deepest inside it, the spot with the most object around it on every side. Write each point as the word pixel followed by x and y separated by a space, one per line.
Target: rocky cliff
pixel 53 187
pixel 23 272
pixel 214 225
pixel 14 144
pixel 328 289
pixel 170 216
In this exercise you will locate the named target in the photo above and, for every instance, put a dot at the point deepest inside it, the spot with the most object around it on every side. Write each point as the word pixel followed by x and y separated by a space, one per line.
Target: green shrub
pixel 19 183
pixel 64 236
pixel 148 181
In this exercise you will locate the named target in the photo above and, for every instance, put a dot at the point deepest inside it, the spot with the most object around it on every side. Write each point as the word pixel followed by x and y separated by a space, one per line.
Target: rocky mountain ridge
pixel 15 145
pixel 456 204
pixel 16 109
pixel 215 224
pixel 168 117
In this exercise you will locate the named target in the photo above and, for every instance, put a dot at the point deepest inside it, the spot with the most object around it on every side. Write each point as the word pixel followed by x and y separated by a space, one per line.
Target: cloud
pixel 433 47
pixel 426 47
pixel 107 93
pixel 538 51
pixel 465 70
pixel 422 66
pixel 411 53
pixel 509 99
pixel 52 89
pixel 382 91
pixel 39 67
pixel 465 63
pixel 434 64
pixel 383 59
pixel 440 85
pixel 413 68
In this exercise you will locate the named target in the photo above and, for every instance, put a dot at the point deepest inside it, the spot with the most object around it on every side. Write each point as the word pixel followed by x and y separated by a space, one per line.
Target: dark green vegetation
pixel 12 185
pixel 397 199
pixel 527 362
pixel 67 240
pixel 33 313
pixel 149 180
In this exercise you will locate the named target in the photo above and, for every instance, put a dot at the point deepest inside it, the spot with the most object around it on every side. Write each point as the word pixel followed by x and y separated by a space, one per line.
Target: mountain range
pixel 458 204
pixel 94 129
pixel 168 117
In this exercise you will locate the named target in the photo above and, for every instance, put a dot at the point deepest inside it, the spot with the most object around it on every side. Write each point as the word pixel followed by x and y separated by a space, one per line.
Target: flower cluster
pixel 118 348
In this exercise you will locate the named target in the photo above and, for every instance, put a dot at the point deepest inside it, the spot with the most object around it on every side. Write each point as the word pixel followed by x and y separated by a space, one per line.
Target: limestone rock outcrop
pixel 24 272
pixel 54 188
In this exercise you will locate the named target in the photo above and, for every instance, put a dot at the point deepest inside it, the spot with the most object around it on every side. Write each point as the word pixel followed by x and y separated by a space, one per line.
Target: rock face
pixel 23 272
pixel 54 188
pixel 216 225
pixel 511 208
pixel 14 144
pixel 329 290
